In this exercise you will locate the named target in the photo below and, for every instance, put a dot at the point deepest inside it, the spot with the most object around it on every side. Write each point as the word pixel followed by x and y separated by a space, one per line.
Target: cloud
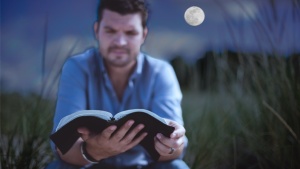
pixel 166 43
pixel 242 10
pixel 58 51
pixel 19 54
pixel 22 56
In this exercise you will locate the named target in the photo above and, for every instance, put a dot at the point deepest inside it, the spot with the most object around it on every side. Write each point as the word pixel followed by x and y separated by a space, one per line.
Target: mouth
pixel 118 51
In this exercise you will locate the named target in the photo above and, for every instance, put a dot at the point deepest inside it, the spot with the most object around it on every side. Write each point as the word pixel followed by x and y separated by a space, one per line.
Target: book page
pixel 96 113
pixel 126 112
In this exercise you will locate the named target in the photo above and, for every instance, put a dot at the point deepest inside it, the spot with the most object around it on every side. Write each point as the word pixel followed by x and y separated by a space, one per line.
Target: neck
pixel 119 77
pixel 120 72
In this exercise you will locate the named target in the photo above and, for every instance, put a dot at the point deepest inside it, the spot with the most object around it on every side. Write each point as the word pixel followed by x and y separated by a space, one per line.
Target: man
pixel 117 77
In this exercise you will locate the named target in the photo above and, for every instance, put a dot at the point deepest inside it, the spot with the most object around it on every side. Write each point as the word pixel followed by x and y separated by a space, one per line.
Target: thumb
pixel 179 130
pixel 84 132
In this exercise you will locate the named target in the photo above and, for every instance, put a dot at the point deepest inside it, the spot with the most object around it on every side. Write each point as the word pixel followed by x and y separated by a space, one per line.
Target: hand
pixel 170 146
pixel 105 144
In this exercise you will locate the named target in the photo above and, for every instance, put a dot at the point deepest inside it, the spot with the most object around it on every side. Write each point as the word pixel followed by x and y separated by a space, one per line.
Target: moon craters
pixel 194 16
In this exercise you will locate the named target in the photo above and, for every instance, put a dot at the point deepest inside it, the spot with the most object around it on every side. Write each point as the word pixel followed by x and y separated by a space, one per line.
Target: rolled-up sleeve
pixel 167 97
pixel 167 94
pixel 71 92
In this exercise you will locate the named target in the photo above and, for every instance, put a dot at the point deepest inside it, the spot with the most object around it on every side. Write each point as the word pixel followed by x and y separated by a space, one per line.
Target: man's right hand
pixel 105 144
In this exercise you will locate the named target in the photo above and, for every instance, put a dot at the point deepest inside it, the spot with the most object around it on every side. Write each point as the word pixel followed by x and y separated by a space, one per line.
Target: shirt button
pixel 131 84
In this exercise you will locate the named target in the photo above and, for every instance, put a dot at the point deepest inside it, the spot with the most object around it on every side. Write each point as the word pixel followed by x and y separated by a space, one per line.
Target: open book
pixel 96 121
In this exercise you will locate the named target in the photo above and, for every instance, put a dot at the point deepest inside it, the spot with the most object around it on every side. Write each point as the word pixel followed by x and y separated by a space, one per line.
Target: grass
pixel 228 131
pixel 246 121
pixel 25 126
pixel 247 116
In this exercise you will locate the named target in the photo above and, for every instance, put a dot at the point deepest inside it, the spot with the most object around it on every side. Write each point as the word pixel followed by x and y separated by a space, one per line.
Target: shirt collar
pixel 140 62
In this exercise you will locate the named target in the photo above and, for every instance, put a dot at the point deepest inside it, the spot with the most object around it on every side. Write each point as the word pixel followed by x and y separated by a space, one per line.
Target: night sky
pixel 64 27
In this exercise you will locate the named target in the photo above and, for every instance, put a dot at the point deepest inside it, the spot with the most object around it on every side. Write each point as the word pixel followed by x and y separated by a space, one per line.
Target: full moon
pixel 194 16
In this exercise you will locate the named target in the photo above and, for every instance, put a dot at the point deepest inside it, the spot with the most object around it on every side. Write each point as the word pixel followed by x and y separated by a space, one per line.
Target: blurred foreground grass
pixel 26 122
pixel 245 113
pixel 228 130
pixel 249 121
pixel 248 118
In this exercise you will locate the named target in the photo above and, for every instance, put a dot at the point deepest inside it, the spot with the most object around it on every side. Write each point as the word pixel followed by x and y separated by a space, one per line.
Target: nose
pixel 120 40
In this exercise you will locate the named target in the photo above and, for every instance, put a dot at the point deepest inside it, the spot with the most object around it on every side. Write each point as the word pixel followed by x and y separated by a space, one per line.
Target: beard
pixel 115 48
pixel 118 56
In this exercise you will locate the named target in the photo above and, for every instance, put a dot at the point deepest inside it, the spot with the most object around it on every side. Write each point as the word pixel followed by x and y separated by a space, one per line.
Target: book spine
pixel 112 120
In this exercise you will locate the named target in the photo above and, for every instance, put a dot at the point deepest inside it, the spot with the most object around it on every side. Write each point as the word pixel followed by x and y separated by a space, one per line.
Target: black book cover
pixel 66 136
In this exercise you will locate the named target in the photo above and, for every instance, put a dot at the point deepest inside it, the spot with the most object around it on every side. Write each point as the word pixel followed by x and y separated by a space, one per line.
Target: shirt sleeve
pixel 167 97
pixel 71 92
pixel 167 94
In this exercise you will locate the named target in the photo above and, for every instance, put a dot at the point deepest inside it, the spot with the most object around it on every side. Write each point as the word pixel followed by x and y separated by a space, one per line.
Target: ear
pixel 145 32
pixel 96 29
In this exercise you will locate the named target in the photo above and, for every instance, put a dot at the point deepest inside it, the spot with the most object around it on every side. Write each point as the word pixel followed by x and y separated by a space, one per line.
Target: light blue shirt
pixel 85 85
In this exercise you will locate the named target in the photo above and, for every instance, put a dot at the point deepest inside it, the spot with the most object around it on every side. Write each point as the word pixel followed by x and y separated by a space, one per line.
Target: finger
pixel 178 133
pixel 179 130
pixel 118 136
pixel 136 141
pixel 84 132
pixel 163 139
pixel 174 143
pixel 161 148
pixel 106 133
pixel 129 137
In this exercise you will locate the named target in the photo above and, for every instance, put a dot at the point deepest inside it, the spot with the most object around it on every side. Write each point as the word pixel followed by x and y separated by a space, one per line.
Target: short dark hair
pixel 124 7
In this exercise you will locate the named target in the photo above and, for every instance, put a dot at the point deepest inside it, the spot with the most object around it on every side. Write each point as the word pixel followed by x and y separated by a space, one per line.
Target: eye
pixel 131 33
pixel 110 31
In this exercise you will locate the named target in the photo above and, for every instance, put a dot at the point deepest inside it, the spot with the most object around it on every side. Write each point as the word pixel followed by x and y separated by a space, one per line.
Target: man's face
pixel 120 37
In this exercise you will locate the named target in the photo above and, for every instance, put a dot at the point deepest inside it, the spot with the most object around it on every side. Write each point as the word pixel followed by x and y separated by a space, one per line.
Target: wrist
pixel 86 155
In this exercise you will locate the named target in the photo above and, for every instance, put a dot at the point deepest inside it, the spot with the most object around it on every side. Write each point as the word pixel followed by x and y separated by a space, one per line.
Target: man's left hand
pixel 170 148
